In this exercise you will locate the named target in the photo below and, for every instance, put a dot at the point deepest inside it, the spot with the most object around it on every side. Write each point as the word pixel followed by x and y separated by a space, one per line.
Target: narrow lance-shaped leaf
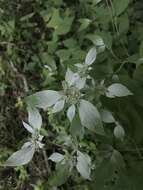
pixel 71 112
pixel 91 56
pixel 28 127
pixel 34 118
pixel 22 156
pixel 90 117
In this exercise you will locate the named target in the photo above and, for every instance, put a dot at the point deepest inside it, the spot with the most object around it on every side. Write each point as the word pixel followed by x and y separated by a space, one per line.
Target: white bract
pixel 56 157
pixel 83 165
pixel 91 56
pixel 117 90
pixel 22 156
pixel 71 112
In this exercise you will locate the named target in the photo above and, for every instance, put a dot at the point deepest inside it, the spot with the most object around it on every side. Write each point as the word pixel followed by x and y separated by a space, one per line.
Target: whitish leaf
pixel 58 106
pixel 28 127
pixel 119 132
pixel 83 165
pixel 90 117
pixel 21 157
pixel 34 118
pixel 39 144
pixel 80 83
pixel 117 90
pixel 71 77
pixel 71 112
pixel 91 56
pixel 44 99
pixel 120 6
pixel 107 116
pixel 27 144
pixel 56 157
pixel 79 65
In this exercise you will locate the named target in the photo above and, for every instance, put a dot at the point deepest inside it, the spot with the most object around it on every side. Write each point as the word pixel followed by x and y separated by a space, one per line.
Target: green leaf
pixel 90 117
pixel 60 176
pixel 58 106
pixel 34 118
pixel 91 56
pixel 61 25
pixel 56 157
pixel 107 116
pixel 97 1
pixel 141 49
pixel 117 159
pixel 108 39
pixel 120 6
pixel 63 54
pixel 83 165
pixel 123 24
pixel 84 24
pixel 97 41
pixel 71 112
pixel 44 99
pixel 117 90
pixel 21 157
pixel 119 132
pixel 76 129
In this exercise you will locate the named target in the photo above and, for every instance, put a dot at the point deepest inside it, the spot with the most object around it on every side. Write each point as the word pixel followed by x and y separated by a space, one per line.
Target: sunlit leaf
pixel 58 106
pixel 91 56
pixel 22 156
pixel 44 99
pixel 71 112
pixel 34 118
pixel 28 127
pixel 56 157
pixel 83 165
pixel 117 90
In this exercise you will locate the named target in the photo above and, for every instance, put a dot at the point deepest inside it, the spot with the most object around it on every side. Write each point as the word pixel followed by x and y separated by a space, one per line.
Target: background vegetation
pixel 39 39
